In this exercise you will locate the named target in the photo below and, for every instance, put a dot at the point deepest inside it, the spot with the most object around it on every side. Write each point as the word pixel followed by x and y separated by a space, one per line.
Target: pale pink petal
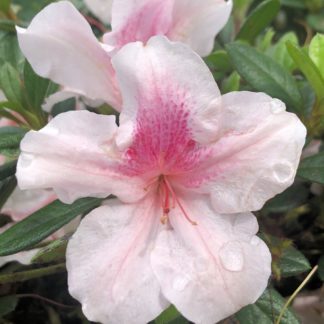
pixel 197 22
pixel 114 281
pixel 74 155
pixel 23 203
pixel 138 21
pixel 210 270
pixel 255 154
pixel 60 45
pixel 101 9
pixel 193 22
pixel 165 84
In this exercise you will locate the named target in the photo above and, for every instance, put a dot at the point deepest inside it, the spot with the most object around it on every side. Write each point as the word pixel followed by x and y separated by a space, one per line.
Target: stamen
pixel 168 189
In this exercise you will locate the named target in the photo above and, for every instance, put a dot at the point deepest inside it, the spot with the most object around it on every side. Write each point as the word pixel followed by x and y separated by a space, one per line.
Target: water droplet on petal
pixel 283 172
pixel 255 240
pixel 180 283
pixel 231 256
pixel 277 106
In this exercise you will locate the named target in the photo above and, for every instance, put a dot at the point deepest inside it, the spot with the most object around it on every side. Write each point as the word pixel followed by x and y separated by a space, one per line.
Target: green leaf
pixel 293 197
pixel 31 274
pixel 7 304
pixel 170 316
pixel 266 310
pixel 300 4
pixel 7 187
pixel 219 61
pixel 312 168
pixel 7 25
pixel 266 75
pixel 321 268
pixel 316 52
pixel 280 53
pixel 43 223
pixel 9 49
pixel 10 83
pixel 309 69
pixel 293 262
pixel 258 20
pixel 232 83
pixel 63 106
pixel 37 88
pixel 10 138
pixel 7 170
pixel 54 252
pixel 316 21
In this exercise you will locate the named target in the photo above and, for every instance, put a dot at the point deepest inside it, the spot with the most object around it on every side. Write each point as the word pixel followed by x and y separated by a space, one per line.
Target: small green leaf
pixel 293 262
pixel 31 274
pixel 219 61
pixel 7 170
pixel 321 268
pixel 299 4
pixel 7 187
pixel 9 49
pixel 232 83
pixel 316 52
pixel 170 316
pixel 10 83
pixel 5 6
pixel 312 168
pixel 63 106
pixel 309 69
pixel 37 88
pixel 10 137
pixel 266 75
pixel 316 21
pixel 43 223
pixel 54 252
pixel 258 20
pixel 266 310
pixel 7 304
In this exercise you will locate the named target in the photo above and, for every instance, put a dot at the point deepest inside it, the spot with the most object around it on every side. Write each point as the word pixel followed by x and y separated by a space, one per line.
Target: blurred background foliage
pixel 271 46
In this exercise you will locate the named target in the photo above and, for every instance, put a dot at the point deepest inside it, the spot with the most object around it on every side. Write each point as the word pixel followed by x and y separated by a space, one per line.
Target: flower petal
pixel 255 155
pixel 74 154
pixel 196 23
pixel 100 8
pixel 115 282
pixel 70 53
pixel 165 83
pixel 211 270
pixel 193 22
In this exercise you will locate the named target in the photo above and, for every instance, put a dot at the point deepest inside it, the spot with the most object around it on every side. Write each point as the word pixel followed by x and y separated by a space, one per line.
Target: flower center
pixel 170 200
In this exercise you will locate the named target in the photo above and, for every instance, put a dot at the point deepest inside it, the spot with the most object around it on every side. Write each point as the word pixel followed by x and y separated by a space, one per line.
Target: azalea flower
pixel 72 56
pixel 194 22
pixel 187 166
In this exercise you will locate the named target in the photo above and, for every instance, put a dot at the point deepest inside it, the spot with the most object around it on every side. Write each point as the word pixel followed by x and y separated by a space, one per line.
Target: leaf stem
pixel 290 299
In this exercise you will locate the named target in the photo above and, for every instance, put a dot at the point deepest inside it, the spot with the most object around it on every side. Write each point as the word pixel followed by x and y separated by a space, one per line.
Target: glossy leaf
pixel 7 170
pixel 7 187
pixel 309 69
pixel 43 223
pixel 9 49
pixel 266 310
pixel 293 262
pixel 266 75
pixel 10 83
pixel 316 52
pixel 312 168
pixel 258 20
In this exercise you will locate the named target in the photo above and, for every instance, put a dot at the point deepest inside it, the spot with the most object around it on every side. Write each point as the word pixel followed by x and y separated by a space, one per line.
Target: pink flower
pixel 72 56
pixel 187 166
pixel 194 22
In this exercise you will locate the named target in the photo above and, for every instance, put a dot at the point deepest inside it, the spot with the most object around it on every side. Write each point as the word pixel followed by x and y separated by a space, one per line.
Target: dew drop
pixel 277 106
pixel 180 283
pixel 231 256
pixel 283 172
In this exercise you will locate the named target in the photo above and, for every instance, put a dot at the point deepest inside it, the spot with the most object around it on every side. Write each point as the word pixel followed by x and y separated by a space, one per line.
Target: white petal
pixel 166 83
pixel 255 156
pixel 60 45
pixel 100 8
pixel 115 282
pixel 197 22
pixel 74 155
pixel 23 203
pixel 210 270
